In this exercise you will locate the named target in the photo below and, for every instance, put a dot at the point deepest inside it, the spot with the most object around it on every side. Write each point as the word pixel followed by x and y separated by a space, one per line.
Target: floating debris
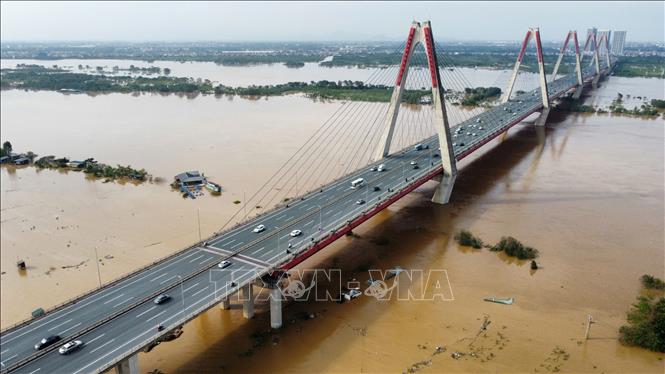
pixel 506 301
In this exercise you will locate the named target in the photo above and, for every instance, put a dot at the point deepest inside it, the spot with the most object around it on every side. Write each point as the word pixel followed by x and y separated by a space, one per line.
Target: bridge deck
pixel 119 319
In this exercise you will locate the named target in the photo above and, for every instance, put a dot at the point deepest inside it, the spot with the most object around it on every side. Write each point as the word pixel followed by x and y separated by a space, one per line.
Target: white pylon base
pixel 578 93
pixel 444 189
pixel 540 121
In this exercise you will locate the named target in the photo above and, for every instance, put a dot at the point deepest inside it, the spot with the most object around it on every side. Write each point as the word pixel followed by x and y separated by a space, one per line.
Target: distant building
pixel 22 161
pixel 190 178
pixel 618 42
pixel 603 47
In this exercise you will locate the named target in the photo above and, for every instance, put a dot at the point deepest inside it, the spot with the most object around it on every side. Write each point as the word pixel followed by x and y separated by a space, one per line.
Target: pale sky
pixel 320 21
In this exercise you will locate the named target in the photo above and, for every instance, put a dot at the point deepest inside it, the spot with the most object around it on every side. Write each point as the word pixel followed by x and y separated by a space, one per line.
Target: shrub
pixel 514 248
pixel 466 238
pixel 646 324
pixel 652 283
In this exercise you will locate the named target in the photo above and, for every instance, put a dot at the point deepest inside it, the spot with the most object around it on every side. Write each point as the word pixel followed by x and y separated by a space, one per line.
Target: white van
pixel 381 167
pixel 357 183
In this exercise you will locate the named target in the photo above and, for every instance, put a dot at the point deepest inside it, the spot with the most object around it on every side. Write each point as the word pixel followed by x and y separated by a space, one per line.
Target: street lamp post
pixel 99 274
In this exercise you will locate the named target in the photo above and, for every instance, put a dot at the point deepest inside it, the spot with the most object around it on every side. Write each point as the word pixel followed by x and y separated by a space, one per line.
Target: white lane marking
pixel 34 371
pixel 7 359
pixel 115 298
pixel 190 287
pixel 4 351
pixel 163 275
pixel 166 280
pixel 229 242
pixel 93 339
pixel 122 302
pixel 93 299
pixel 155 316
pixel 204 261
pixel 55 327
pixel 76 325
pixel 144 312
pixel 102 346
pixel 309 223
pixel 195 258
pixel 199 291
pixel 149 331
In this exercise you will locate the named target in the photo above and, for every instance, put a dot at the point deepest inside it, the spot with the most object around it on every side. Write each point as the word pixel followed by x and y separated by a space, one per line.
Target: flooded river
pixel 587 191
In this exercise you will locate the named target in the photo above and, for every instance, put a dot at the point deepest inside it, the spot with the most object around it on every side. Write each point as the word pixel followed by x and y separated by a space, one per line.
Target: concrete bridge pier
pixel 226 304
pixel 540 121
pixel 248 301
pixel 444 189
pixel 578 93
pixel 275 308
pixel 130 365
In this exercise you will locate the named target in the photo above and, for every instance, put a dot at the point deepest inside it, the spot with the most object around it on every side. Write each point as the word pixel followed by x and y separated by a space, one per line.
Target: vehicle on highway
pixel 224 264
pixel 70 347
pixel 47 341
pixel 381 167
pixel 360 201
pixel 161 299
pixel 377 188
pixel 418 147
pixel 357 183
pixel 416 167
pixel 295 233
pixel 373 168
pixel 479 120
pixel 160 327
pixel 259 228
pixel 414 162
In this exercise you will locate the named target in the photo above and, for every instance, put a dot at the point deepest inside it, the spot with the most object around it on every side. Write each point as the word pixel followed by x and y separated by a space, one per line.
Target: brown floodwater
pixel 587 191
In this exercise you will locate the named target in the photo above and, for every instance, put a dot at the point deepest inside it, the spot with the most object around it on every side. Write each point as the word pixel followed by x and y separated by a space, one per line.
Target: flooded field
pixel 587 191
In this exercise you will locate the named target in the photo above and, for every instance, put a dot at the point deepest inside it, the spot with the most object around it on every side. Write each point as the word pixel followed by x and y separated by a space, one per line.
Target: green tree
pixel 7 147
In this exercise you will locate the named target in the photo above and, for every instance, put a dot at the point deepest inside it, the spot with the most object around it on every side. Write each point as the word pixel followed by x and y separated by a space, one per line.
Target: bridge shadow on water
pixel 412 231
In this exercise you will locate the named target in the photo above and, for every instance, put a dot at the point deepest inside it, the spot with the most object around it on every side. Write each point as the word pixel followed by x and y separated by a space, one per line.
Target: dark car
pixel 161 299
pixel 377 188
pixel 47 341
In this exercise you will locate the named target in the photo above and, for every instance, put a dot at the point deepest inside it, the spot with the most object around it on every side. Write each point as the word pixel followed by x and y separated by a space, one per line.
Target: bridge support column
pixel 130 365
pixel 248 301
pixel 444 189
pixel 578 92
pixel 226 304
pixel 275 308
pixel 540 121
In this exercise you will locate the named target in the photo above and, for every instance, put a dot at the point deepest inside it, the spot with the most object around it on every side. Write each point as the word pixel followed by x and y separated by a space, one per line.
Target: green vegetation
pixel 6 149
pixel 652 283
pixel 645 109
pixel 513 248
pixel 658 104
pixel 640 66
pixel 466 238
pixel 646 324
pixel 37 77
pixel 474 96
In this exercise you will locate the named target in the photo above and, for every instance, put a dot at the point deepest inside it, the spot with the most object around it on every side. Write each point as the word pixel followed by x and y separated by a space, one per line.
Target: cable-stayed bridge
pixel 364 158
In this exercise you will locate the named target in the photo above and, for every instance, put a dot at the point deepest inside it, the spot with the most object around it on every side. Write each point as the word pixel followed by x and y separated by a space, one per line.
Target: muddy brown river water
pixel 587 191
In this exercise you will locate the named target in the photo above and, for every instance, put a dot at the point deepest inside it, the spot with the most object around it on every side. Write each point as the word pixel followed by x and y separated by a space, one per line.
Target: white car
pixel 259 228
pixel 224 264
pixel 295 233
pixel 70 347
pixel 414 162
pixel 381 167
